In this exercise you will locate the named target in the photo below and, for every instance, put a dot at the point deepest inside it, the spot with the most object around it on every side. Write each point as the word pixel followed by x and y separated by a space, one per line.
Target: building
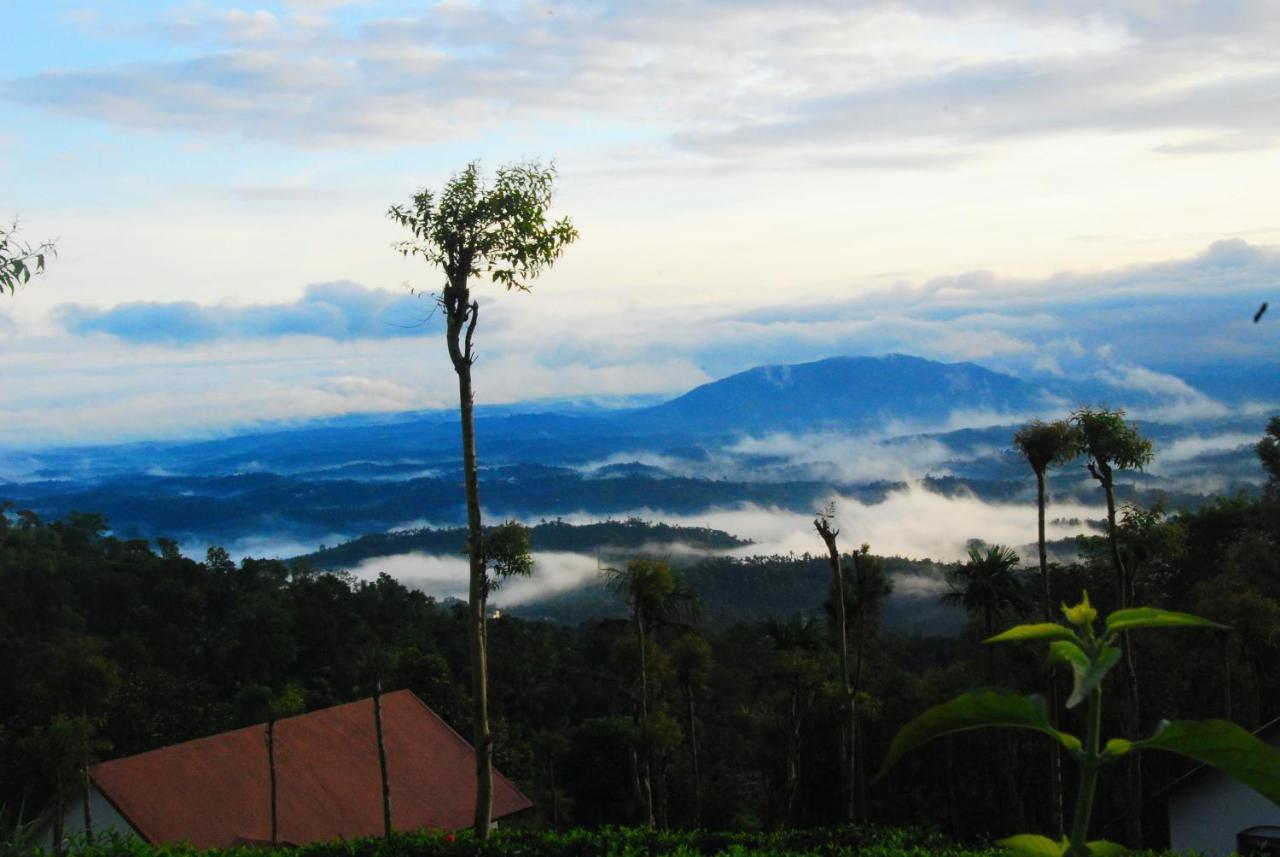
pixel 1208 809
pixel 215 792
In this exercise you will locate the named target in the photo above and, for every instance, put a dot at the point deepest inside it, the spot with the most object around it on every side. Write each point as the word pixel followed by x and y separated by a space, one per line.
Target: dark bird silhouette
pixel 1258 315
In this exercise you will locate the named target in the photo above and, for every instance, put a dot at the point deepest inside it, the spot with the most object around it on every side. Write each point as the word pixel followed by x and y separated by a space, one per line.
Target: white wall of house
pixel 1207 811
pixel 104 814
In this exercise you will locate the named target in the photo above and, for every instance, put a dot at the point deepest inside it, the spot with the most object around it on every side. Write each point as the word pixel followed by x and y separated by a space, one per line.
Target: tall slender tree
pixel 475 230
pixel 829 534
pixel 1110 444
pixel 1046 445
pixel 655 595
pixel 691 659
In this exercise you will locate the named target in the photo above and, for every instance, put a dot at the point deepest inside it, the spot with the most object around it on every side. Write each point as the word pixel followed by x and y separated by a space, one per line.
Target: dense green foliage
pixel 600 842
pixel 153 648
pixel 630 534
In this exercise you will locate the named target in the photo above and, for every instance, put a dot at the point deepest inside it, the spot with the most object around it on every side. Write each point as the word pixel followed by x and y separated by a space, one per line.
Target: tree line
pixel 649 718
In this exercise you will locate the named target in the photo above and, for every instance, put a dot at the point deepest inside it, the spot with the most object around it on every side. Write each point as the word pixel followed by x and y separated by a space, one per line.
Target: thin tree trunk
pixel 1226 674
pixel 88 809
pixel 693 756
pixel 1133 815
pixel 953 826
pixel 793 758
pixel 555 795
pixel 271 766
pixel 59 814
pixel 1057 822
pixel 850 775
pixel 646 772
pixel 857 762
pixel 382 760
pixel 477 592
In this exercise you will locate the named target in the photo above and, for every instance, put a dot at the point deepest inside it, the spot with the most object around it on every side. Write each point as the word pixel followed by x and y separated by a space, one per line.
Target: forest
pixel 117 646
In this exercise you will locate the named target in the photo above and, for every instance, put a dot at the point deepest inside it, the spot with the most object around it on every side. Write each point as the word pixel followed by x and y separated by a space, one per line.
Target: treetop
pixel 499 229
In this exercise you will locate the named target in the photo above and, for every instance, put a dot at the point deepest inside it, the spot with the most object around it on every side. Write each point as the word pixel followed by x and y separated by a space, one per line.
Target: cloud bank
pixel 339 311
pixel 846 81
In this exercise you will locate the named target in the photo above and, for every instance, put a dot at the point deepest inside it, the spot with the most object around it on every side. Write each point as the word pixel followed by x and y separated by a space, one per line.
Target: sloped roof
pixel 215 792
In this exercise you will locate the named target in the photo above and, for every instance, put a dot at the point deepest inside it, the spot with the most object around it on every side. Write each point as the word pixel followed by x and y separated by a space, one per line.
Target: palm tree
pixel 655 595
pixel 1045 445
pixel 987 585
pixel 797 667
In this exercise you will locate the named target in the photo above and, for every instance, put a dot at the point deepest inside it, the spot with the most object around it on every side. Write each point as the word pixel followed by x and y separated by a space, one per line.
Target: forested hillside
pixel 138 646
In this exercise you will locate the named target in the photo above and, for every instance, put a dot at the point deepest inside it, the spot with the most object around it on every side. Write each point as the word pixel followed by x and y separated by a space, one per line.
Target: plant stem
pixel 1088 779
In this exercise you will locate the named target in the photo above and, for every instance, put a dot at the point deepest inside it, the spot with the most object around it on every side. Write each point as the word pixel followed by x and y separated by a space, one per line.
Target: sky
pixel 1043 187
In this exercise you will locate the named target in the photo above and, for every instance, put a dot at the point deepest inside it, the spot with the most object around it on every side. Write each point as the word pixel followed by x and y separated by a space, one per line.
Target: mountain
pixel 844 392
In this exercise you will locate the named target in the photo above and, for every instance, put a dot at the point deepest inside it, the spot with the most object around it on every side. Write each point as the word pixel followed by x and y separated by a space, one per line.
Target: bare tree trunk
pixel 857 762
pixel 646 770
pixel 1057 823
pixel 382 760
pixel 793 759
pixel 461 312
pixel 271 766
pixel 850 775
pixel 693 756
pixel 59 814
pixel 953 827
pixel 1133 815
pixel 88 809
pixel 555 795
pixel 1226 674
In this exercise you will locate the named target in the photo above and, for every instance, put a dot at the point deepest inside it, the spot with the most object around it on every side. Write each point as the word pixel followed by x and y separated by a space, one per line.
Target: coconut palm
pixel 987 585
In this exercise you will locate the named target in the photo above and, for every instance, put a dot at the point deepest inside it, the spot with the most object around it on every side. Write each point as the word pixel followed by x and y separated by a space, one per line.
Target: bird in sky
pixel 1258 315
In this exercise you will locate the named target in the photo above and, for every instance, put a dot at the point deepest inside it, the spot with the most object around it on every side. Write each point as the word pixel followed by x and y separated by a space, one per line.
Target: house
pixel 215 792
pixel 1208 810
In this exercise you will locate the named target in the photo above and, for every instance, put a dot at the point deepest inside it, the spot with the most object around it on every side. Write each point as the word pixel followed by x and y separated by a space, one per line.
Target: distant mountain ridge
pixel 844 391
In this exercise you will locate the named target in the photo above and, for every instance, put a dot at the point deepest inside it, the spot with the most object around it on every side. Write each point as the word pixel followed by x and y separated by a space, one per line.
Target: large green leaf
pixel 1150 617
pixel 976 709
pixel 1033 845
pixel 1224 745
pixel 1086 674
pixel 1105 848
pixel 1041 631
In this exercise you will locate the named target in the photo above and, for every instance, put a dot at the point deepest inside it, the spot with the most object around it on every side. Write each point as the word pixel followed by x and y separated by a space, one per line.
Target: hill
pixel 846 392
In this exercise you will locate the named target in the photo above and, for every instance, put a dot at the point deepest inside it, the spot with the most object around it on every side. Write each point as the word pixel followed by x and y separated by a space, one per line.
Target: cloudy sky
pixel 1039 186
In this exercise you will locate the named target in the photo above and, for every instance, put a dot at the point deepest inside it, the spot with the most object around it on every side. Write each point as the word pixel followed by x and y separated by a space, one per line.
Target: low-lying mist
pixel 911 522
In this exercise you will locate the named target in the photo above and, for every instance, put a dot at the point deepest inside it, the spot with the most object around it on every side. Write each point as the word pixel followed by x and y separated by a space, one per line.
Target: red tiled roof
pixel 215 792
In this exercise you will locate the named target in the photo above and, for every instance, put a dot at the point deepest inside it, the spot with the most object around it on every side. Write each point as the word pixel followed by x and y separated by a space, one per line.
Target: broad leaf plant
pixel 1090 653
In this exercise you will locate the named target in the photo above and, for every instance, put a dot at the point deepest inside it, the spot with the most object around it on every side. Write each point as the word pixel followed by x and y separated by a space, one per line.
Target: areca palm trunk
pixel 645 770
pixel 382 760
pixel 1057 821
pixel 1124 590
pixel 271 767
pixel 88 809
pixel 693 755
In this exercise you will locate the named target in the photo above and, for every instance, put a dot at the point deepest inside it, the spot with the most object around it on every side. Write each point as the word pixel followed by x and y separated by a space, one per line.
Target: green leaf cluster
pixel 19 260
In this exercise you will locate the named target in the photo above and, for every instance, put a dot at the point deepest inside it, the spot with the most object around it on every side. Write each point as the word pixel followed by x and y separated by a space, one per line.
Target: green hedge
pixel 604 842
